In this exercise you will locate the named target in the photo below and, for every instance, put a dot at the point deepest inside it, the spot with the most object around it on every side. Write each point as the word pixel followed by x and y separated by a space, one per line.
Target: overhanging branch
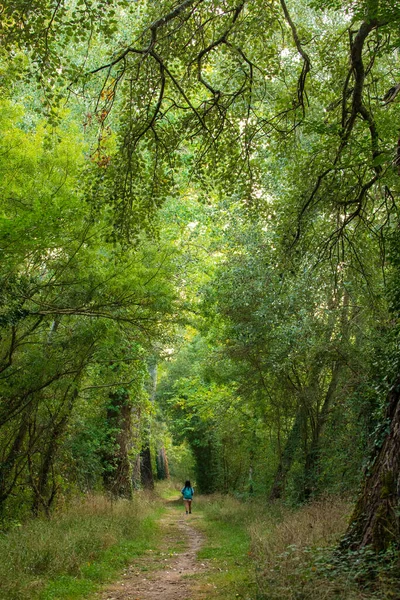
pixel 301 91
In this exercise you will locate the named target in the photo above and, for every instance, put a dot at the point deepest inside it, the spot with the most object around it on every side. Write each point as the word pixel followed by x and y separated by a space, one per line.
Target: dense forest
pixel 200 258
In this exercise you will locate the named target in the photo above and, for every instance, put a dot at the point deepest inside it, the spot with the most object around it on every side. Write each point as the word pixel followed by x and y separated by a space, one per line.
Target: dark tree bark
pixel 146 471
pixel 313 454
pixel 8 472
pixel 117 474
pixel 287 457
pixel 162 464
pixel 44 494
pixel 375 519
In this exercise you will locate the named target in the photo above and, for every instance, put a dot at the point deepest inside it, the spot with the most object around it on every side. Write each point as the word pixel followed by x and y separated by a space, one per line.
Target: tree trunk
pixel 313 454
pixel 136 479
pixel 146 471
pixel 207 465
pixel 7 467
pixel 162 464
pixel 117 475
pixel 43 496
pixel 251 471
pixel 287 457
pixel 375 519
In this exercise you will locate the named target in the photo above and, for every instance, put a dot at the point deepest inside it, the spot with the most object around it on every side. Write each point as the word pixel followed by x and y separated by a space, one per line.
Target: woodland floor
pixel 169 573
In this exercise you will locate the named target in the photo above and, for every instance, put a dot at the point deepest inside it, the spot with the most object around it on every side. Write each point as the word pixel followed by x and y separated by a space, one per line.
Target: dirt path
pixel 162 574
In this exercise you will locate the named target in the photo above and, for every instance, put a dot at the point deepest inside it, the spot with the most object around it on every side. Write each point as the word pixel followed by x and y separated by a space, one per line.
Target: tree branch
pixel 306 64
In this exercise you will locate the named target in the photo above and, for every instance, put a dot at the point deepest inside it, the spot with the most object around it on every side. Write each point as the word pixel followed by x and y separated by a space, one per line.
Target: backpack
pixel 187 493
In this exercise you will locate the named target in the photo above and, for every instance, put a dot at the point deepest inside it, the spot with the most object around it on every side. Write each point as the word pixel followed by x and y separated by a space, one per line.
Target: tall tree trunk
pixel 136 441
pixel 43 496
pixel 136 480
pixel 208 476
pixel 313 454
pixel 162 464
pixel 251 471
pixel 305 393
pixel 146 469
pixel 375 519
pixel 117 475
pixel 8 475
pixel 287 457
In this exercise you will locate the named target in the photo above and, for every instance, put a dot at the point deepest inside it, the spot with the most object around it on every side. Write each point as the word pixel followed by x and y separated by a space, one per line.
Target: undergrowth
pixel 80 547
pixel 266 551
pixel 296 558
pixel 253 551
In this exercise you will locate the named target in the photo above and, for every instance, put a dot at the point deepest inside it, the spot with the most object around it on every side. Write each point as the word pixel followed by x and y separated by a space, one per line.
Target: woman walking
pixel 187 493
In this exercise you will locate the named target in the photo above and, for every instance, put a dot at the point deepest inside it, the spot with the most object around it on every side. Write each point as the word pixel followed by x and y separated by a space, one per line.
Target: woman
pixel 187 493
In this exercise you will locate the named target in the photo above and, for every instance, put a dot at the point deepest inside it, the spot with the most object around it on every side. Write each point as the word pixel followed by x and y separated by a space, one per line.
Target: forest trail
pixel 167 573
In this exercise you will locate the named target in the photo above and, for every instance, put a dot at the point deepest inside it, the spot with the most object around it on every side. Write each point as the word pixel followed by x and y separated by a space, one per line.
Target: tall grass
pixel 318 523
pixel 69 544
pixel 295 557
pixel 277 553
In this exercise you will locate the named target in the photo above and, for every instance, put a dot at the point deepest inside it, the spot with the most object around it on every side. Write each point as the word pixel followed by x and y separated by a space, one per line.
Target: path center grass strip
pixel 226 549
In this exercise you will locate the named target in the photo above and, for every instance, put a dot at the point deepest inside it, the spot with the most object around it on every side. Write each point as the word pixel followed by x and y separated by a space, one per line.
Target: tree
pixel 285 110
pixel 68 298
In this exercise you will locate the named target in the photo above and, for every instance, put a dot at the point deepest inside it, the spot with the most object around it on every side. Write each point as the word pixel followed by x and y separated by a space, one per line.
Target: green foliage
pixel 180 462
pixel 78 315
pixel 229 209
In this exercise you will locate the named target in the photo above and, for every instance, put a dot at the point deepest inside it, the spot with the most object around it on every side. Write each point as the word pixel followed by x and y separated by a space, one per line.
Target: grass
pixel 295 557
pixel 253 551
pixel 226 548
pixel 68 556
pixel 260 551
